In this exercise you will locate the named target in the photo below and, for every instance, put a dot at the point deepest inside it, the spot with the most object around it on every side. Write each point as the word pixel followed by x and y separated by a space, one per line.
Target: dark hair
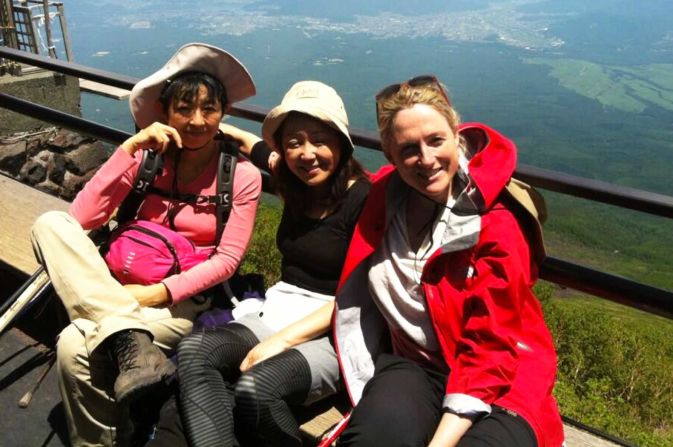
pixel 185 87
pixel 297 194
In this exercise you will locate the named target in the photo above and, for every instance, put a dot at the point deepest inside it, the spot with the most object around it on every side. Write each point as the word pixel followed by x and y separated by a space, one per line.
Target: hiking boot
pixel 142 365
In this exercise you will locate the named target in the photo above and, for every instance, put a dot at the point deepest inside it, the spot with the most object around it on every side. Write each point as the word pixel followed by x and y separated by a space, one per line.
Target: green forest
pixel 615 363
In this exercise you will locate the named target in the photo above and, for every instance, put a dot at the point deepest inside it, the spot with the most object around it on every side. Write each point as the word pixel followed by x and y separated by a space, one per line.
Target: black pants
pixel 402 405
pixel 213 393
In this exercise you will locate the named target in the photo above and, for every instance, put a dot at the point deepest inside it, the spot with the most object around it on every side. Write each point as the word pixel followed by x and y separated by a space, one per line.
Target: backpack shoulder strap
pixel 225 183
pixel 153 161
pixel 151 164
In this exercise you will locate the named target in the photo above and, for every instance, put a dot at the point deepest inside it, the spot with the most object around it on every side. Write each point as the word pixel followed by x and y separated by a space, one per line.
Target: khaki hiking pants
pixel 98 306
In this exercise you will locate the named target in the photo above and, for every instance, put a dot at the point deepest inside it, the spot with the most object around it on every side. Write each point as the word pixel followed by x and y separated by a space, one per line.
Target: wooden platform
pixel 21 364
pixel 20 205
pixel 42 423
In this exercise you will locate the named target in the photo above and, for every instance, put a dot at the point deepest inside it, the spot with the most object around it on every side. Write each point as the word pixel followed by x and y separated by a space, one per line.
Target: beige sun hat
pixel 314 99
pixel 197 57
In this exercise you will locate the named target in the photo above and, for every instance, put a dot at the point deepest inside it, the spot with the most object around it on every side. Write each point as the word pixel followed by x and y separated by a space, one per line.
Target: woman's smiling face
pixel 196 121
pixel 312 149
pixel 424 150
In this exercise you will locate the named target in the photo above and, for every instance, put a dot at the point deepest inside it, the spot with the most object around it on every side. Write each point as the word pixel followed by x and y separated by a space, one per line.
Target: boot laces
pixel 126 351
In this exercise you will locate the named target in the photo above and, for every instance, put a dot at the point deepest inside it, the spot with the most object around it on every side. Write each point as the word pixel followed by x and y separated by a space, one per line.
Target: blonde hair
pixel 407 96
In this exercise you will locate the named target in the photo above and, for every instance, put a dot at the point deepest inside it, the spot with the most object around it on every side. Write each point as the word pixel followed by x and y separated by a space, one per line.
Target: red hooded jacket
pixel 488 322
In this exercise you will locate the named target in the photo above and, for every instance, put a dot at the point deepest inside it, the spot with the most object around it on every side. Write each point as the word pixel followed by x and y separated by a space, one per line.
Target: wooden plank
pixel 321 424
pixel 20 205
pixel 579 438
pixel 103 90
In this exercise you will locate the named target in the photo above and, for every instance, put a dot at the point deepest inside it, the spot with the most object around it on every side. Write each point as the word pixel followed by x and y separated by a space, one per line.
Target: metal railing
pixel 612 287
pixel 29 25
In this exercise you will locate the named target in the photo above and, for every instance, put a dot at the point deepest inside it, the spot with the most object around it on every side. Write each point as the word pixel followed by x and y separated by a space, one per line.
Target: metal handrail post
pixel 65 33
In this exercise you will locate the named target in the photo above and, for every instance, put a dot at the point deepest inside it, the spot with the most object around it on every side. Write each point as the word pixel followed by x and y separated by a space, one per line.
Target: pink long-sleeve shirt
pixel 94 205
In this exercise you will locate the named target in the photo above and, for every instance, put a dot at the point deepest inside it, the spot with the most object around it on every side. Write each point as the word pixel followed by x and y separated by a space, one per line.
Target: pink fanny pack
pixel 143 252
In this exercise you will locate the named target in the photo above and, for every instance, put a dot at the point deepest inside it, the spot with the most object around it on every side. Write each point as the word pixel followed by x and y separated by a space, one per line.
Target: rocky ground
pixel 57 161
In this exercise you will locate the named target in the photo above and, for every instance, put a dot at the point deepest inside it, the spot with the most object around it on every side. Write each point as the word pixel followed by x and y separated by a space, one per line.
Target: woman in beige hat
pixel 323 189
pixel 178 109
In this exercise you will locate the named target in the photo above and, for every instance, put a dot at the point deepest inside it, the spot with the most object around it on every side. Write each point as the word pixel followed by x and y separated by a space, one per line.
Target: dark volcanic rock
pixel 72 184
pixel 39 142
pixel 43 156
pixel 56 168
pixel 58 162
pixel 49 187
pixel 65 138
pixel 12 157
pixel 86 157
pixel 33 172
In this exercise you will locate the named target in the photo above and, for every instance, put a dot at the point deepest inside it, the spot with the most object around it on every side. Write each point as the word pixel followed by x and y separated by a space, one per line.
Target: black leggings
pixel 213 391
pixel 402 405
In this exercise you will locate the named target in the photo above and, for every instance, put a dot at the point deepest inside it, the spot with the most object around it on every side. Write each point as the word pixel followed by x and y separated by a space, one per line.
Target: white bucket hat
pixel 312 98
pixel 196 57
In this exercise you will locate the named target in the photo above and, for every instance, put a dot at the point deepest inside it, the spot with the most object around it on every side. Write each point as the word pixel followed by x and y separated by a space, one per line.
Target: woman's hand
pixel 449 431
pixel 311 326
pixel 274 159
pixel 264 350
pixel 149 296
pixel 156 136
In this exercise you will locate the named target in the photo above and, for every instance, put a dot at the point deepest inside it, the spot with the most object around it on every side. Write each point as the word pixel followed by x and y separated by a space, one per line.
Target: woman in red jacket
pixel 440 339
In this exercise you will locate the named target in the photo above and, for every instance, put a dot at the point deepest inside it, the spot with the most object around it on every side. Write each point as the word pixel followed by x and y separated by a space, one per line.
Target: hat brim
pixel 193 57
pixel 312 108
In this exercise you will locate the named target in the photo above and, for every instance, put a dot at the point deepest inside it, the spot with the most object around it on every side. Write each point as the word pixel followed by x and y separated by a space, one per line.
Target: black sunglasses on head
pixel 416 81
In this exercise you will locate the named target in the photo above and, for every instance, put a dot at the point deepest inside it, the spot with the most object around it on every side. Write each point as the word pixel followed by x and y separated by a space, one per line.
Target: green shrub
pixel 615 366
pixel 263 255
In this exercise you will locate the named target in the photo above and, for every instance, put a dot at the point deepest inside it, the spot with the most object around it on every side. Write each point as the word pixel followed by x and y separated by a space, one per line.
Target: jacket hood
pixel 491 160
pixel 491 164
pixel 484 176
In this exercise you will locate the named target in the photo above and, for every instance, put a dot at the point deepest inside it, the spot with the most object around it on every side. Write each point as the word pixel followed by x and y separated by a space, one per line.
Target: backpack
pixel 153 161
pixel 143 252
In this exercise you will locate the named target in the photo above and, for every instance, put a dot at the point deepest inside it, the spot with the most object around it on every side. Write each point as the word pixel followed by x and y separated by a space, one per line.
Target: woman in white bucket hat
pixel 113 350
pixel 323 189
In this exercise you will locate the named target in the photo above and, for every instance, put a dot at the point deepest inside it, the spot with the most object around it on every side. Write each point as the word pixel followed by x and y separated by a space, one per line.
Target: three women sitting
pixel 439 338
